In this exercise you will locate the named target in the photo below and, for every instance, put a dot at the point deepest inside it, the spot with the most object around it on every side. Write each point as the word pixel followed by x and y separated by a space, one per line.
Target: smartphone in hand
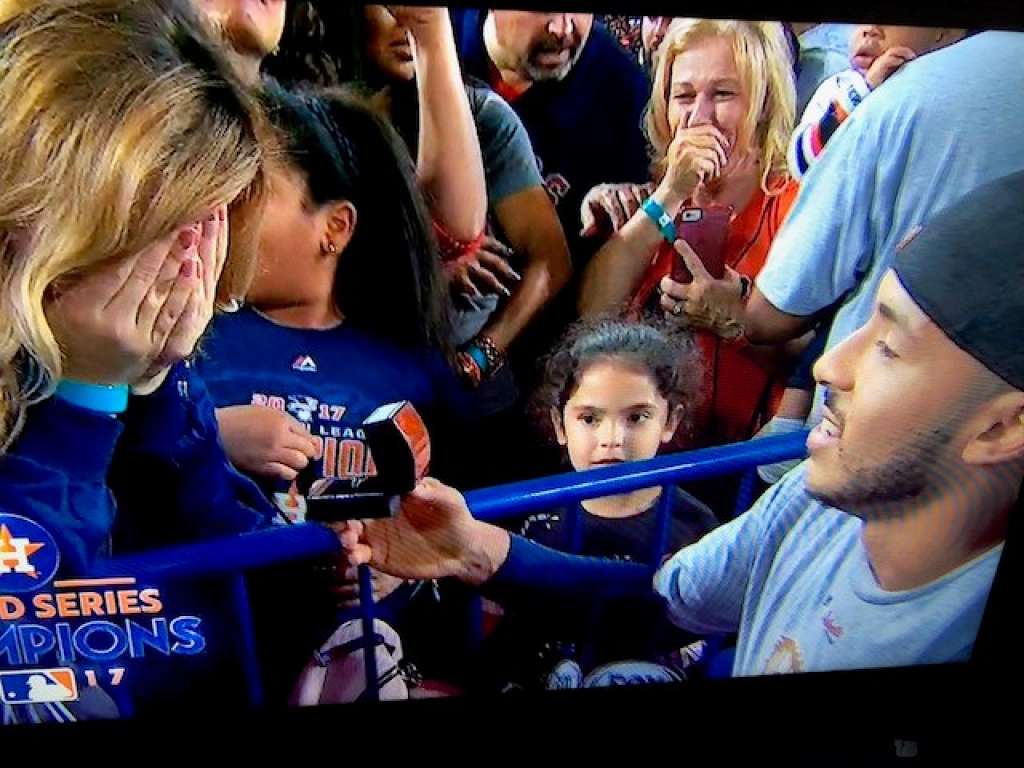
pixel 706 231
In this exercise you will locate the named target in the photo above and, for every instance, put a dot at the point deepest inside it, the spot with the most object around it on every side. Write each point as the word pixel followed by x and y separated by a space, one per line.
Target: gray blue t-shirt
pixel 509 168
pixel 944 124
pixel 792 577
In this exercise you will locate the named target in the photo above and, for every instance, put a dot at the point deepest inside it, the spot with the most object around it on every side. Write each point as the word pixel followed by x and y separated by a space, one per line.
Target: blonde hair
pixel 121 123
pixel 765 65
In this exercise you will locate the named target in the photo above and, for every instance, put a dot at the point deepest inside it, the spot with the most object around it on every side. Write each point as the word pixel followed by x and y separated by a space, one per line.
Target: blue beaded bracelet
pixel 660 218
pixel 102 398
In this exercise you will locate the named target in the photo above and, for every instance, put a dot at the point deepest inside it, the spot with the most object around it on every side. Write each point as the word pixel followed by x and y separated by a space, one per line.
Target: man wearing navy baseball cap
pixel 880 549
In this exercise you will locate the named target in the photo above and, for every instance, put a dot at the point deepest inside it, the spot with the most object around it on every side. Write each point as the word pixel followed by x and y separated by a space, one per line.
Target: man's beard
pixel 539 73
pixel 914 471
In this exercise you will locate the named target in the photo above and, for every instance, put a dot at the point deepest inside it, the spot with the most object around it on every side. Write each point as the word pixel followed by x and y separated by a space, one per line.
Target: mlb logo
pixel 38 686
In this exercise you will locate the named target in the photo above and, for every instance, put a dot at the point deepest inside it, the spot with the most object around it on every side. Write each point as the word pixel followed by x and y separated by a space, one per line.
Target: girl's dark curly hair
pixel 668 355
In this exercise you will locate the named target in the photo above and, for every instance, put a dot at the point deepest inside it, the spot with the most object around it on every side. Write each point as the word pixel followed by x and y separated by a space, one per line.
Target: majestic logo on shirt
pixel 28 554
pixel 785 659
pixel 304 363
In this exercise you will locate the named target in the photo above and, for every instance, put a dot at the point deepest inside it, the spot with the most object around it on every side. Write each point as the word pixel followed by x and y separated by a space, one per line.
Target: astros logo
pixel 28 554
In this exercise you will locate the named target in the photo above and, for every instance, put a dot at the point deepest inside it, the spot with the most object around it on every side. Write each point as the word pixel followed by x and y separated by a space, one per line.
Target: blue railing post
pixel 664 524
pixel 247 639
pixel 475 621
pixel 370 650
pixel 745 494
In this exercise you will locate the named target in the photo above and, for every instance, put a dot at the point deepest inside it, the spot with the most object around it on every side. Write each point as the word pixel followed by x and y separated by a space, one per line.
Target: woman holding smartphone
pixel 719 119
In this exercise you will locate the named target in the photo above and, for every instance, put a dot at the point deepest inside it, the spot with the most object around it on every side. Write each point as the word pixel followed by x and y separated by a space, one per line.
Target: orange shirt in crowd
pixel 739 394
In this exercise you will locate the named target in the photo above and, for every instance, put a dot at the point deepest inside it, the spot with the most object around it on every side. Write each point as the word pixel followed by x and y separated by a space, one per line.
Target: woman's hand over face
pixel 696 156
pixel 128 322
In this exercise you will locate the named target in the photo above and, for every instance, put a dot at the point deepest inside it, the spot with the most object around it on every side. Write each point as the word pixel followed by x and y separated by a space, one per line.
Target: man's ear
pixel 1000 436
pixel 339 227
pixel 675 418
pixel 556 422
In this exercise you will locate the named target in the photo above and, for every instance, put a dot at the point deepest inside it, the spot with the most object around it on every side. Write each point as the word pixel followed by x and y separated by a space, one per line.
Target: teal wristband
pixel 478 357
pixel 103 398
pixel 661 219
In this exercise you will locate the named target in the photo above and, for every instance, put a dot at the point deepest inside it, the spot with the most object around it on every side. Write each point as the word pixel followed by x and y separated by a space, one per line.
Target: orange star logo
pixel 17 549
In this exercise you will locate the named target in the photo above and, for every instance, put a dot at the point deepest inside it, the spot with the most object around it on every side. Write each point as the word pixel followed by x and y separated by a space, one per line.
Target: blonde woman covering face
pixel 130 173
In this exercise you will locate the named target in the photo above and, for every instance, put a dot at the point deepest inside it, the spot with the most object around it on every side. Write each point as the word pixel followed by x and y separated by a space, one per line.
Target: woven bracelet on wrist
pixel 495 358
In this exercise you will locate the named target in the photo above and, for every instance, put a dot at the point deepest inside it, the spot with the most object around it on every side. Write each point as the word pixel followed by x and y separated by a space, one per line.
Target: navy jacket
pixel 159 472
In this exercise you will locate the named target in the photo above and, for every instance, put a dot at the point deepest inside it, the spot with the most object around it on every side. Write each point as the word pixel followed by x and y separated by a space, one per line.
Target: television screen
pixel 693 354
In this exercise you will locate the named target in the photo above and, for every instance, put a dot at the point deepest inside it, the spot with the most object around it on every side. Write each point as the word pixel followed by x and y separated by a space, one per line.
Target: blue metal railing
pixel 232 556
pixel 261 549
pixel 503 501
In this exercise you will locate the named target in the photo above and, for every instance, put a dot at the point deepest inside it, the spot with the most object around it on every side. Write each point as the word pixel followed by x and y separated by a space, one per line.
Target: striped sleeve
pixel 831 105
pixel 705 585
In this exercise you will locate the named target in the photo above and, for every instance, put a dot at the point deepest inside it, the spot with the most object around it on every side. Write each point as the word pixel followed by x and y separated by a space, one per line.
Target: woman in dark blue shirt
pixel 346 312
